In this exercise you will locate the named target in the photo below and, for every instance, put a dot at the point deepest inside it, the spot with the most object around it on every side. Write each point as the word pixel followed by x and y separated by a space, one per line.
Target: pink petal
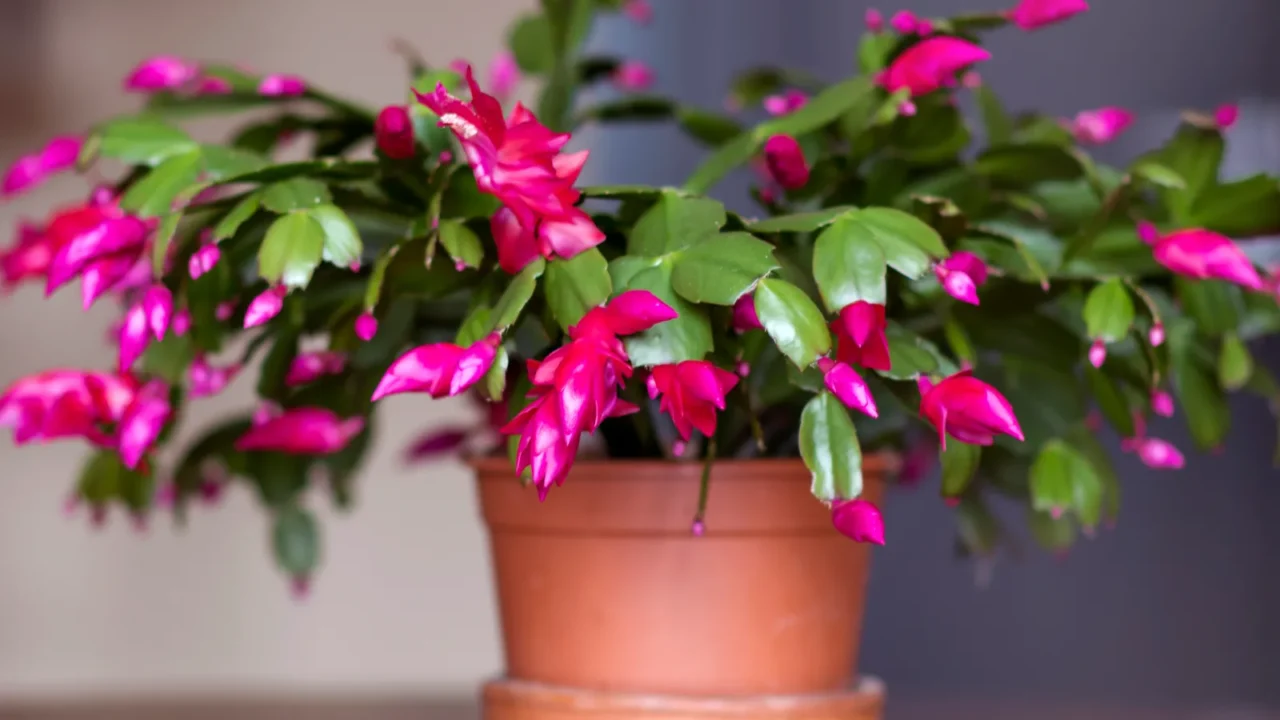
pixel 1160 454
pixel 1032 14
pixel 958 285
pixel 931 64
pixel 1097 353
pixel 435 444
pixel 1162 403
pixel 847 385
pixel 1156 335
pixel 874 20
pixel 786 162
pixel 903 22
pixel 281 85
pixel 504 74
pixel 302 431
pixel 393 132
pixel 133 336
pixel 203 260
pixel 162 72
pixel 309 367
pixel 1097 127
pixel 639 11
pixel 1226 116
pixel 205 380
pixel 635 311
pixel 366 326
pixel 158 305
pixel 142 423
pixel 744 314
pixel 633 76
pixel 859 520
pixel 60 153
pixel 265 306
pixel 27 172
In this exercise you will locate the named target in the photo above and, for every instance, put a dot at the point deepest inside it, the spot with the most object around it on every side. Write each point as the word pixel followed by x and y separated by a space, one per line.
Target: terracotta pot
pixel 603 588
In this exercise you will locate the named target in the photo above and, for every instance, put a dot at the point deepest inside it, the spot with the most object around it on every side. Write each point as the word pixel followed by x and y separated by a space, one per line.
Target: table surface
pixel 463 709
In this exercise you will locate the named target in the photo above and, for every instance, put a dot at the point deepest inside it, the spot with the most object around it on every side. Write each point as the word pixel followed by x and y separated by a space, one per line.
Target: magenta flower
pixel 633 76
pixel 904 22
pixel 1097 353
pixel 181 322
pixel 961 275
pixel 265 306
pixel 1226 116
pixel 66 403
pixel 968 409
pixel 366 326
pixel 30 170
pixel 1202 254
pixel 281 85
pixel 142 422
pixel 302 431
pixel 931 64
pixel 519 162
pixel 692 391
pixel 393 132
pixel 744 314
pixel 440 370
pixel 846 384
pixel 309 367
pixel 1032 14
pixel 860 520
pixel 1156 335
pixel 504 74
pixel 639 11
pixel 860 336
pixel 1159 454
pixel 60 153
pixel 157 304
pixel 874 20
pixel 99 243
pixel 1162 403
pixel 27 258
pixel 208 85
pixel 203 260
pixel 205 380
pixel 785 103
pixel 159 73
pixel 785 161
pixel 1101 126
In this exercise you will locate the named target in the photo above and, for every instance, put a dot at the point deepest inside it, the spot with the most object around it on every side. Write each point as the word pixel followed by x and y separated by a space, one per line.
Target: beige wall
pixel 403 600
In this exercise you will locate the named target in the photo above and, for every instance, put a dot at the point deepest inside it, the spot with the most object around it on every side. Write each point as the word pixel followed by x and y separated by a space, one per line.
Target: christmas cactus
pixel 898 285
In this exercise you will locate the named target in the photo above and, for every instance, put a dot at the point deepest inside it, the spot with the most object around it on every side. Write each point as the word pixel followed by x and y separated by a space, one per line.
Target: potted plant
pixel 709 400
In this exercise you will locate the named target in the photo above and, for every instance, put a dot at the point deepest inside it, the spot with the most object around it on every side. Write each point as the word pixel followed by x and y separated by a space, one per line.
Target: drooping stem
pixel 704 488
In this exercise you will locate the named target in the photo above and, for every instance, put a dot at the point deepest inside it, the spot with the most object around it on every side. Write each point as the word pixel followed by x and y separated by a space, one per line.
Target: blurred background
pixel 1172 613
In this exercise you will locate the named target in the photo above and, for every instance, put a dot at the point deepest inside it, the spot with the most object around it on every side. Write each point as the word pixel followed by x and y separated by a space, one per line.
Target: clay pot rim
pixel 881 462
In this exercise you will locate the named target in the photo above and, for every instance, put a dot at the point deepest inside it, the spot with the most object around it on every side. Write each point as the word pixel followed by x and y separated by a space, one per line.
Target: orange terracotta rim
pixel 877 463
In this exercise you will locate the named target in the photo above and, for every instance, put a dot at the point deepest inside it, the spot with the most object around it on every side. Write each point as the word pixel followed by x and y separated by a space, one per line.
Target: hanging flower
pixel 1162 403
pixel 162 72
pixel 931 64
pixel 874 20
pixel 97 242
pixel 860 336
pixel 968 409
pixel 692 391
pixel 205 380
pixel 28 171
pixel 393 132
pixel 440 370
pixel 265 306
pixel 860 520
pixel 504 74
pixel 65 403
pixel 744 314
pixel 203 260
pixel 301 431
pixel 280 85
pixel 142 422
pixel 1159 454
pixel 786 163
pixel 961 275
pixel 308 367
pixel 1226 116
pixel 1033 14
pixel 846 384
pixel 785 103
pixel 1101 126
pixel 1202 254
pixel 366 326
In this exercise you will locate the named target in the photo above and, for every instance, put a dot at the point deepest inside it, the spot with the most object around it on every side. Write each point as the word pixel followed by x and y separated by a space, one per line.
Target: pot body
pixel 604 588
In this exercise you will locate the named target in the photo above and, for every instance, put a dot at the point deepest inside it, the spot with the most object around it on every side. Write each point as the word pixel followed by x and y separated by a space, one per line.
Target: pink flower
pixel 961 275
pixel 931 64
pixel 225 310
pixel 846 384
pixel 99 243
pixel 142 422
pixel 860 336
pixel 744 314
pixel 576 387
pixel 213 86
pixel 1159 454
pixel 1101 126
pixel 904 22
pixel 504 74
pixel 692 391
pixel 28 257
pixel 203 260
pixel 1156 335
pixel 785 103
pixel 281 85
pixel 638 10
pixel 309 367
pixel 1097 353
pixel 65 403
pixel 302 431
pixel 1032 14
pixel 874 20
pixel 440 370
pixel 519 162
pixel 393 132
pixel 366 326
pixel 786 163
pixel 267 305
pixel 1162 403
pixel 633 76
pixel 30 170
pixel 859 520
pixel 162 72
pixel 181 322
pixel 1202 254
pixel 157 304
pixel 968 409
pixel 205 380
pixel 1226 116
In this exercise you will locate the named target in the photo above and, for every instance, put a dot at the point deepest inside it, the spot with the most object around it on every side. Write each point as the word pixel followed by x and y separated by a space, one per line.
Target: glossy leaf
pixel 295 539
pixel 1158 174
pixel 999 126
pixel 143 141
pixel 708 128
pixel 687 337
pixel 1026 165
pixel 291 250
pixel 1216 306
pixel 1235 364
pixel 792 320
pixel 1062 478
pixel 517 295
pixel 1200 397
pixel 1195 154
pixel 576 285
pixel 1108 311
pixel 237 216
pixel 959 464
pixel 494 384
pixel 295 194
pixel 221 161
pixel 829 446
pixel 674 222
pixel 1244 208
pixel 461 243
pixel 342 245
pixel 849 265
pixel 155 193
pixel 722 268
pixel 893 228
pixel 1111 399
pixel 799 222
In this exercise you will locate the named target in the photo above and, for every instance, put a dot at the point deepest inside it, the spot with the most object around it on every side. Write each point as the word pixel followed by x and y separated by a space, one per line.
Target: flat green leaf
pixel 168 229
pixel 673 223
pixel 576 285
pixel 799 222
pixel 517 295
pixel 621 192
pixel 910 356
pixel 792 320
pixel 1195 154
pixel 530 41
pixel 708 128
pixel 959 464
pixel 1111 400
pixel 999 126
pixel 155 193
pixel 495 381
pixel 291 250
pixel 475 325
pixel 874 51
pixel 232 221
pixel 1026 165
pixel 728 156
pixel 1235 364
pixel 1244 208
pixel 722 268
pixel 462 245
pixel 623 268
pixel 295 539
pixel 849 265
pixel 829 446
pixel 687 337
pixel 1216 306
pixel 1108 311
pixel 1052 533
pixel 1200 397
pixel 295 194
pixel 821 110
pixel 342 245
pixel 143 141
pixel 1062 478
pixel 894 228
pixel 1087 444
pixel 221 161
pixel 1158 174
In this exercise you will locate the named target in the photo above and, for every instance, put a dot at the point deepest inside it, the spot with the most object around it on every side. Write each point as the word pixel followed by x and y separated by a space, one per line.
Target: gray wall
pixel 1178 603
